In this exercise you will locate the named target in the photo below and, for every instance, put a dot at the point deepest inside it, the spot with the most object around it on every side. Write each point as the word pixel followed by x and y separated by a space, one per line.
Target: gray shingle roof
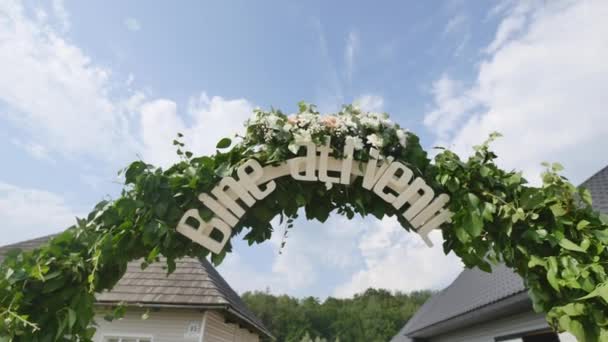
pixel 194 283
pixel 474 289
pixel 471 290
pixel 598 186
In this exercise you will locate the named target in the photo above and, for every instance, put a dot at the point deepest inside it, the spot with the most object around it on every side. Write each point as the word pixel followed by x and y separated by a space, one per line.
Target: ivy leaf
pixel 134 170
pixel 557 167
pixel 514 179
pixel 604 218
pixel 571 246
pixel 473 200
pixel 577 329
pixel 582 224
pixel 473 223
pixel 558 210
pixel 71 318
pixel 601 235
pixel 462 234
pixel 586 196
pixel 600 291
pixel 574 309
pixel 224 143
pixel 552 273
pixel 488 210
pixel 536 261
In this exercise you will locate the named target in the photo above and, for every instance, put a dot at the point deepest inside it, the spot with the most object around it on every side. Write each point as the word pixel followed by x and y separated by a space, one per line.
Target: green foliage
pixel 375 315
pixel 550 235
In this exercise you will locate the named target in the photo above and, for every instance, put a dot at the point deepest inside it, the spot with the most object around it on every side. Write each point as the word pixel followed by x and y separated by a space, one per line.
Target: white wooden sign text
pixel 392 181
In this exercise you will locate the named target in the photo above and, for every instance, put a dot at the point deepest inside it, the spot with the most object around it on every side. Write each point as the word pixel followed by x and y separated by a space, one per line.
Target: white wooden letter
pixel 309 162
pixel 324 155
pixel 430 211
pixel 221 192
pixel 347 162
pixel 392 182
pixel 435 222
pixel 372 172
pixel 202 234
pixel 411 196
pixel 218 209
pixel 249 173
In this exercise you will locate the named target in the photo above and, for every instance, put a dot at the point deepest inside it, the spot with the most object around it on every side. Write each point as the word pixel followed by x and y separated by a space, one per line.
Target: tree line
pixel 374 315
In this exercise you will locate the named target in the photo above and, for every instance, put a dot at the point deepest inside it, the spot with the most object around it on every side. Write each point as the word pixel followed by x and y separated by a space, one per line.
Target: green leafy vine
pixel 550 235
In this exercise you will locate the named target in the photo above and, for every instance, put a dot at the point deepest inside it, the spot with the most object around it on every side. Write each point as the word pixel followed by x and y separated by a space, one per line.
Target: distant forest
pixel 375 315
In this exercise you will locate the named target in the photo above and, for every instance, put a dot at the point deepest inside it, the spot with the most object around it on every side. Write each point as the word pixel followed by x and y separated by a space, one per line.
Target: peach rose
pixel 330 121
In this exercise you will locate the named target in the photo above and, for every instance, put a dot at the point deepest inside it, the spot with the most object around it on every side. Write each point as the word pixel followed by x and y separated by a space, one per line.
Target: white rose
pixel 375 140
pixel 357 142
pixel 402 135
pixel 370 121
pixel 287 127
pixel 307 117
pixel 293 148
pixel 302 137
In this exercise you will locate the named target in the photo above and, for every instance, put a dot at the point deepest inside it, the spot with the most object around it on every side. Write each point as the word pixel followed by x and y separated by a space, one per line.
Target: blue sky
pixel 87 87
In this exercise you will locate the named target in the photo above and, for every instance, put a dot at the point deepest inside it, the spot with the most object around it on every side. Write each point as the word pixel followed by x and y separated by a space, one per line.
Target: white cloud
pixel 30 213
pixel 455 23
pixel 397 260
pixel 352 46
pixel 370 253
pixel 370 103
pixel 62 14
pixel 542 85
pixel 452 104
pixel 54 92
pixel 330 93
pixel 243 277
pixel 132 24
pixel 514 22
pixel 36 150
pixel 312 250
pixel 57 94
pixel 209 120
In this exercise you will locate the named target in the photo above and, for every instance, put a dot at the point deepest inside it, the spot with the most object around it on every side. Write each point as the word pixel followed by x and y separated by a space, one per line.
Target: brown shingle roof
pixel 194 283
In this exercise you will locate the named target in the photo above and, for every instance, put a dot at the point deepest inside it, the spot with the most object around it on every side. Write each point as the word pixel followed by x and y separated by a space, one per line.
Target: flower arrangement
pixel 273 130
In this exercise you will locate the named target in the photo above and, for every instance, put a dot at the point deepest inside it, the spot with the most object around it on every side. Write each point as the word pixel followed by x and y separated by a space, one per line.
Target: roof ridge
pixel 594 175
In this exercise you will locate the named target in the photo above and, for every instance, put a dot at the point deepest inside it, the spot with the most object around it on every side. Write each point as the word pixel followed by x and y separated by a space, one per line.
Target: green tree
pixel 374 315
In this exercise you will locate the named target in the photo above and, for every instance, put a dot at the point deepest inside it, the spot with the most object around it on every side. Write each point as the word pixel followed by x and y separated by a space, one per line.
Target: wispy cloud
pixel 331 90
pixel 132 24
pixel 540 85
pixel 61 14
pixel 455 24
pixel 370 102
pixel 384 247
pixel 34 149
pixel 160 121
pixel 27 213
pixel 350 51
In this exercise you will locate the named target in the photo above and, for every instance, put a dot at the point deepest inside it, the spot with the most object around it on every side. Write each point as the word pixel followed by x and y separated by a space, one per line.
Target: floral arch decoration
pixel 351 162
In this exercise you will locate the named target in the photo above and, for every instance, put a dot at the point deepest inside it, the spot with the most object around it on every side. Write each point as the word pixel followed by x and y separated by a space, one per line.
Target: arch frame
pixel 550 235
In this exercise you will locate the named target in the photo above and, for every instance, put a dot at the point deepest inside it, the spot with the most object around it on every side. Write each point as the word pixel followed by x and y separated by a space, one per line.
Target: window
pixel 126 339
pixel 193 329
pixel 538 336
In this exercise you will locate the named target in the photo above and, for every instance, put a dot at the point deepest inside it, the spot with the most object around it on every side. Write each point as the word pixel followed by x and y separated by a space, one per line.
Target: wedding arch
pixel 349 163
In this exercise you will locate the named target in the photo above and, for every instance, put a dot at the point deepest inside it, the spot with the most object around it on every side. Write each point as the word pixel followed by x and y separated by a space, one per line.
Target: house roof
pixel 475 291
pixel 194 284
